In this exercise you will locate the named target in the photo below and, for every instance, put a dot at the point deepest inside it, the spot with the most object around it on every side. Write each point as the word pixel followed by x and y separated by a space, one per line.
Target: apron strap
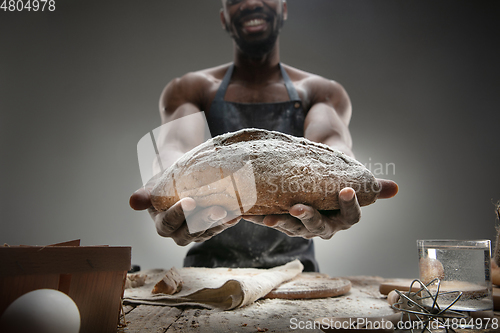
pixel 221 92
pixel 292 93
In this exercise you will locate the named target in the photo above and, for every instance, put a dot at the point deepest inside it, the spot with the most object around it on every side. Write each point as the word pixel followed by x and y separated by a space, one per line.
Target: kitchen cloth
pixel 215 288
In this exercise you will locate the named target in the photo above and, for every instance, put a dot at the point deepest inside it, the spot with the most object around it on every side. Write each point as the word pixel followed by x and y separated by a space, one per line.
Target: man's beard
pixel 257 49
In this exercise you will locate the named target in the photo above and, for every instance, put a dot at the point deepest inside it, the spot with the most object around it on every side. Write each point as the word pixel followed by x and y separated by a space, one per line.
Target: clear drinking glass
pixel 461 265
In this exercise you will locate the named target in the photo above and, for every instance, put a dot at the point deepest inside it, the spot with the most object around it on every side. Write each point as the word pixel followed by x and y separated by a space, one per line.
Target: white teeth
pixel 253 23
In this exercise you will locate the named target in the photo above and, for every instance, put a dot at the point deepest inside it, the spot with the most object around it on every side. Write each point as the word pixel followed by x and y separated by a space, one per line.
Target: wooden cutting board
pixel 311 285
pixel 400 284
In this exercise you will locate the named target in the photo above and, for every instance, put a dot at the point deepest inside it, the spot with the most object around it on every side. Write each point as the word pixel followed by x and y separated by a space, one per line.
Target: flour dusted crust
pixel 260 172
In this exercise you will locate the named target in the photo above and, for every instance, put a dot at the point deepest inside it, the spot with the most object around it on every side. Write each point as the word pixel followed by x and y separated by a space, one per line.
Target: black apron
pixel 247 244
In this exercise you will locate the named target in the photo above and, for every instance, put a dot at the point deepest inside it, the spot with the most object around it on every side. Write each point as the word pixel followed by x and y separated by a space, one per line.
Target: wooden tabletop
pixel 267 315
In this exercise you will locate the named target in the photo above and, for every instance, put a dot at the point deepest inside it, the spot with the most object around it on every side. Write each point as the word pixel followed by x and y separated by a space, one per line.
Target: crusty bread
pixel 170 284
pixel 135 280
pixel 260 172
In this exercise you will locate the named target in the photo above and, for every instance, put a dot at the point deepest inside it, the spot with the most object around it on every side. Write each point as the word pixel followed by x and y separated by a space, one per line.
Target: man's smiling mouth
pixel 254 25
pixel 254 22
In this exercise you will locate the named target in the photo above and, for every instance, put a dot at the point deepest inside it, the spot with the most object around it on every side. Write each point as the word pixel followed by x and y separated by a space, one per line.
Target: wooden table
pixel 265 315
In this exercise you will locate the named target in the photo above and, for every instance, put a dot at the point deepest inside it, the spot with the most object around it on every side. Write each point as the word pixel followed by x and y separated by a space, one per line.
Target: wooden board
pixel 400 284
pixel 496 298
pixel 271 315
pixel 147 318
pixel 311 285
pixel 93 276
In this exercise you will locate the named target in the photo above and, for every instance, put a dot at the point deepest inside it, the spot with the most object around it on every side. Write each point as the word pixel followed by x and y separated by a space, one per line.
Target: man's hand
pixel 172 222
pixel 307 222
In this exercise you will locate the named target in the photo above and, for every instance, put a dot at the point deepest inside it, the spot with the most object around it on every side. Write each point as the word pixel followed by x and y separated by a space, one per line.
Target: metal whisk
pixel 411 306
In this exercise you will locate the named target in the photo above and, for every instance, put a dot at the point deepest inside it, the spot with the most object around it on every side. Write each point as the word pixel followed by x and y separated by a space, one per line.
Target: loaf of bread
pixel 260 172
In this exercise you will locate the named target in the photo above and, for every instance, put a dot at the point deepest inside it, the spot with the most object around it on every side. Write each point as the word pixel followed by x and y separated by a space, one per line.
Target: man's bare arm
pixel 178 100
pixel 328 118
pixel 327 122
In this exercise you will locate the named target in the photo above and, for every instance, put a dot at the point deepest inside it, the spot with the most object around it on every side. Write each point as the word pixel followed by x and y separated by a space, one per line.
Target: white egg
pixel 42 311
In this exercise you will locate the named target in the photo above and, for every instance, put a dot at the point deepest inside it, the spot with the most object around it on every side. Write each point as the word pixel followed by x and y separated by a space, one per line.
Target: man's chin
pixel 256 54
pixel 257 50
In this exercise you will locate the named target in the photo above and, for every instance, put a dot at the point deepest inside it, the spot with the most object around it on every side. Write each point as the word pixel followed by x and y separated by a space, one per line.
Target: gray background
pixel 79 87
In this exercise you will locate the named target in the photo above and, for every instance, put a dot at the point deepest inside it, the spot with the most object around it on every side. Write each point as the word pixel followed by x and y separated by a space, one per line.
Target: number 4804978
pixel 28 5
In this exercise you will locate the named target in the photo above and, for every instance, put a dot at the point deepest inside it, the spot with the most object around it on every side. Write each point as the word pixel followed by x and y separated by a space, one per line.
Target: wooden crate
pixel 93 276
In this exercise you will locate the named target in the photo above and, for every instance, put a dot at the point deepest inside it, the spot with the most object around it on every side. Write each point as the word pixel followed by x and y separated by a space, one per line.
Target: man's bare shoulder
pixel 301 77
pixel 316 88
pixel 197 87
pixel 206 76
